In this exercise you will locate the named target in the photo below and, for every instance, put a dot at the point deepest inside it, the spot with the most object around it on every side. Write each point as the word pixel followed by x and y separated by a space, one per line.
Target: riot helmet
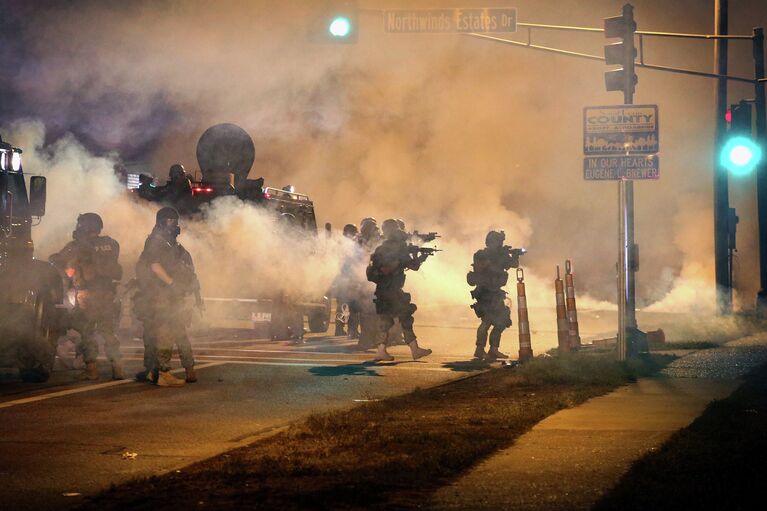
pixel 167 219
pixel 176 172
pixel 389 226
pixel 89 225
pixel 495 239
pixel 350 231
pixel 368 227
pixel 401 224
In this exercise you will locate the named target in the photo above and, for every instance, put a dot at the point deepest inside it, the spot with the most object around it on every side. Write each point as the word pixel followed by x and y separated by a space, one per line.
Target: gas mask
pixel 82 235
pixel 171 228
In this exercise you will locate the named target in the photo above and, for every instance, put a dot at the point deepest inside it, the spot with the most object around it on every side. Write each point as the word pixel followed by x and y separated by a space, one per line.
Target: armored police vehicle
pixel 225 154
pixel 30 289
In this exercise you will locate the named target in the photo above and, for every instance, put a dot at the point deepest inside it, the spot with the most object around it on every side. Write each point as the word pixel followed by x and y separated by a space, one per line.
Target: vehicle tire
pixel 40 352
pixel 319 321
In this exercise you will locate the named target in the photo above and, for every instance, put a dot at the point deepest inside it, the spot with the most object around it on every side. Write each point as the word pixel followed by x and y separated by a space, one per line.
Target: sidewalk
pixel 570 459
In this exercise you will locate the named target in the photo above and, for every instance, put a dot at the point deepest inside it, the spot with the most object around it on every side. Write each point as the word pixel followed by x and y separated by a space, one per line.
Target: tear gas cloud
pixel 239 250
pixel 448 133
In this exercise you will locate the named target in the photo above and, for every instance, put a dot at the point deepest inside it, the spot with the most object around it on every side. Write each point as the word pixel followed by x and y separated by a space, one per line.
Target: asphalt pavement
pixel 66 439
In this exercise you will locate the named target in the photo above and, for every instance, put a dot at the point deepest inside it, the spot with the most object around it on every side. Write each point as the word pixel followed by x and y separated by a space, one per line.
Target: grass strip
pixel 387 454
pixel 684 345
pixel 718 462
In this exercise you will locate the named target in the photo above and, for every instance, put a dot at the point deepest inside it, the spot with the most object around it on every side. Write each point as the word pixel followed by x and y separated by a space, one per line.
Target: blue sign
pixel 450 20
pixel 623 129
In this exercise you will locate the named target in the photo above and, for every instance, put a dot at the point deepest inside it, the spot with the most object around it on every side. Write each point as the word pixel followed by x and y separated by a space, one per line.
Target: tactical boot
pixel 145 376
pixel 91 372
pixel 494 354
pixel 165 379
pixel 479 353
pixel 417 351
pixel 191 376
pixel 117 371
pixel 382 355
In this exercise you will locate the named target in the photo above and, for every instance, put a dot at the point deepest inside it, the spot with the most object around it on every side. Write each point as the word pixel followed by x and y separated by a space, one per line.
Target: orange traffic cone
pixel 525 348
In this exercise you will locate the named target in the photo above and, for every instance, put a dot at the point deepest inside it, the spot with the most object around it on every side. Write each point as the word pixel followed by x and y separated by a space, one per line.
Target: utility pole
pixel 624 79
pixel 721 186
pixel 761 169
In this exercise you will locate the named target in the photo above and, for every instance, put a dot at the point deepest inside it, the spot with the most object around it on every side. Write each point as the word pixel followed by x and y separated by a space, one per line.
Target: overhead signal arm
pixel 641 34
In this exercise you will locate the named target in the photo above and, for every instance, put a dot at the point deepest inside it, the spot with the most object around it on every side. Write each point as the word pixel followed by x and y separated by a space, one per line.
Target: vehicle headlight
pixel 15 161
pixel 3 160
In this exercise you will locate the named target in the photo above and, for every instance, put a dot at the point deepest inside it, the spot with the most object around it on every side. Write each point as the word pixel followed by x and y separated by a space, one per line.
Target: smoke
pixel 240 251
pixel 449 133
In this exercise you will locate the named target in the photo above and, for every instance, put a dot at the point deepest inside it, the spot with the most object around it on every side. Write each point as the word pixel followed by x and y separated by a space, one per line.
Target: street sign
pixel 622 129
pixel 450 20
pixel 606 168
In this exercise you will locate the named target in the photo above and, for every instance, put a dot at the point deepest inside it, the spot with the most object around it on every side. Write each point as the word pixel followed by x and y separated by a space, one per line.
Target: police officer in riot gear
pixel 489 275
pixel 387 270
pixel 90 262
pixel 368 239
pixel 166 278
pixel 178 181
pixel 178 189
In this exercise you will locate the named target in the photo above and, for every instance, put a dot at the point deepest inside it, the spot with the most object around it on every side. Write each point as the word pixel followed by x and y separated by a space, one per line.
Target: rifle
pixel 427 237
pixel 423 250
pixel 515 252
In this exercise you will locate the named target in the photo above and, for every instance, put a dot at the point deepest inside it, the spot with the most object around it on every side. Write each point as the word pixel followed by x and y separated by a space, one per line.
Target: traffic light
pixel 740 154
pixel 339 23
pixel 623 53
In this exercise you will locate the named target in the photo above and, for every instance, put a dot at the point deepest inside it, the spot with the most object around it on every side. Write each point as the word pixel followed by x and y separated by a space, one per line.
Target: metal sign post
pixel 623 269
pixel 621 143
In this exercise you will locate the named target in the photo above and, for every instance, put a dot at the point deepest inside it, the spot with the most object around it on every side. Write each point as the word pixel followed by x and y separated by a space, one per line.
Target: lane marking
pixel 87 388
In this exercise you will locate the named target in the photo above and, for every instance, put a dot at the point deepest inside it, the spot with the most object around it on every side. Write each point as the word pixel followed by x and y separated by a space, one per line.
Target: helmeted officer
pixel 489 275
pixel 90 262
pixel 387 270
pixel 166 278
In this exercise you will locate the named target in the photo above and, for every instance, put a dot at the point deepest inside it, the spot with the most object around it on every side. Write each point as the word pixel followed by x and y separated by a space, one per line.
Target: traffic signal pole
pixel 761 170
pixel 721 186
pixel 627 263
pixel 624 27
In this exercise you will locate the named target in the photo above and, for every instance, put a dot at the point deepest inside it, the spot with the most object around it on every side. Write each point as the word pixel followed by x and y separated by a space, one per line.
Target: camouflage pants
pixel 493 312
pixel 164 328
pixel 391 305
pixel 98 315
pixel 164 334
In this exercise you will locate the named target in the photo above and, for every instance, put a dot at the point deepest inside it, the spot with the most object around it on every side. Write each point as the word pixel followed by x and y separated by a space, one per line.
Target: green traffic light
pixel 340 27
pixel 740 155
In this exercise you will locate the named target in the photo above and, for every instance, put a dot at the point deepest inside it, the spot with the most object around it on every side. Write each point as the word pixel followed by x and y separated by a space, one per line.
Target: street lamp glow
pixel 740 155
pixel 341 26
